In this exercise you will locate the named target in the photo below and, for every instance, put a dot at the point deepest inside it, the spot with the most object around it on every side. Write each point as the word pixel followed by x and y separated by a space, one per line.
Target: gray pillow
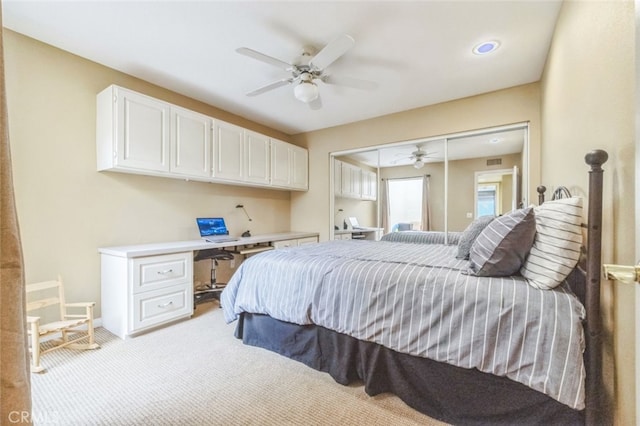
pixel 502 247
pixel 470 234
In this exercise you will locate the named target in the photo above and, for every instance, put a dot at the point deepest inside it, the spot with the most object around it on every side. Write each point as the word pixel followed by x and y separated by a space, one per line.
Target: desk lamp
pixel 246 233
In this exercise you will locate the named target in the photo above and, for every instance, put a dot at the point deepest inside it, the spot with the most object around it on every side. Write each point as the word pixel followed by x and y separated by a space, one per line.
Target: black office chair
pixel 212 290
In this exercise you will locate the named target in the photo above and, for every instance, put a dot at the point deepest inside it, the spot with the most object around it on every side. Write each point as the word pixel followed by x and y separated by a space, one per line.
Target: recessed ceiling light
pixel 486 47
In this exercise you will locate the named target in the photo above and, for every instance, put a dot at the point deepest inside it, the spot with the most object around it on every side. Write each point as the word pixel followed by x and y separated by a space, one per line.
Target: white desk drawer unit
pixel 150 285
pixel 144 292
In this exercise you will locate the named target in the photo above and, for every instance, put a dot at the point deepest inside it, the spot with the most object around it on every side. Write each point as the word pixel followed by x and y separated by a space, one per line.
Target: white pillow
pixel 556 248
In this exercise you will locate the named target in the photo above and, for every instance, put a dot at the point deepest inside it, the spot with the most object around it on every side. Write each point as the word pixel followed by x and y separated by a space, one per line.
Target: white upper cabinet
pixel 337 178
pixel 351 181
pixel 289 165
pixel 257 158
pixel 139 134
pixel 190 143
pixel 300 167
pixel 280 163
pixel 369 188
pixel 132 131
pixel 228 151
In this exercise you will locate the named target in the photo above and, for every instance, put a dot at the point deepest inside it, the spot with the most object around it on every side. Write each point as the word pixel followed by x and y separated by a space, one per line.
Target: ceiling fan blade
pixel 316 103
pixel 354 83
pixel 264 58
pixel 271 86
pixel 332 51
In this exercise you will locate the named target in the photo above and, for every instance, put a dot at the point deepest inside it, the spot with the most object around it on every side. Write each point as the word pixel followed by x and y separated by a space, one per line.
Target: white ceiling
pixel 418 52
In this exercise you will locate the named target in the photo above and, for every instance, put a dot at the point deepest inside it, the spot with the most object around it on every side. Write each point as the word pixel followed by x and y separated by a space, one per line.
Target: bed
pixel 466 341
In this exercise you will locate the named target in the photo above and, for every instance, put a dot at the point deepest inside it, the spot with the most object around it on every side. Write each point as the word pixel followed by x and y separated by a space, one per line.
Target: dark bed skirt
pixel 445 392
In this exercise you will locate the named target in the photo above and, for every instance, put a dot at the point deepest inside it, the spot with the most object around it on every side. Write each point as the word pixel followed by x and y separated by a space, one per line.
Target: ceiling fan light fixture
pixel 306 91
pixel 418 164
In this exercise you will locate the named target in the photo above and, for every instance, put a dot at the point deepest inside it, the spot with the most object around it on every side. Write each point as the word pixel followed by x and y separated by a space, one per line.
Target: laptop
pixel 214 230
pixel 356 226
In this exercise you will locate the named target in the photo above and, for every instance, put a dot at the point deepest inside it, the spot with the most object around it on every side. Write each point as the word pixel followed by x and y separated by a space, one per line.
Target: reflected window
pixel 405 204
pixel 488 200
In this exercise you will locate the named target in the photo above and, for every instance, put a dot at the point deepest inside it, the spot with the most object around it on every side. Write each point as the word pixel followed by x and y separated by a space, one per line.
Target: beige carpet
pixel 196 373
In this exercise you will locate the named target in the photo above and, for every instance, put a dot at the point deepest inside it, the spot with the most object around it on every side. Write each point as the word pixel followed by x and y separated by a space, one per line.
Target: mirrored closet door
pixel 433 184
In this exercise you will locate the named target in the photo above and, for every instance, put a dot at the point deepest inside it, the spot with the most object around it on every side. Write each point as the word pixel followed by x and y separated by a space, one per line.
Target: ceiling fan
pixel 418 157
pixel 308 69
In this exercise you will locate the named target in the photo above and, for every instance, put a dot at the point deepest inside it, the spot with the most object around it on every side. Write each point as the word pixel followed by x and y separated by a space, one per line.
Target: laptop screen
pixel 210 226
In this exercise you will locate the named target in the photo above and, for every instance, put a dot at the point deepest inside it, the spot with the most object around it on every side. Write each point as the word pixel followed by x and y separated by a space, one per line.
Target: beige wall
pixel 509 106
pixel 587 103
pixel 66 209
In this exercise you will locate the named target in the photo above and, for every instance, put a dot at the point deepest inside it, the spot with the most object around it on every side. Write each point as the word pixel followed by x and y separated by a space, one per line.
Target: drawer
pixel 155 272
pixel 307 240
pixel 285 243
pixel 160 306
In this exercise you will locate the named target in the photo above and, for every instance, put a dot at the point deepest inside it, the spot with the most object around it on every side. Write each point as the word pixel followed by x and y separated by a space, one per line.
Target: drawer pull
pixel 165 272
pixel 165 305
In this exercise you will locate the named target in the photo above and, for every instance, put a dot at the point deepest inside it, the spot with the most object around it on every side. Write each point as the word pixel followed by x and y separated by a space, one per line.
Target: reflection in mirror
pixel 491 157
pixel 431 184
pixel 497 191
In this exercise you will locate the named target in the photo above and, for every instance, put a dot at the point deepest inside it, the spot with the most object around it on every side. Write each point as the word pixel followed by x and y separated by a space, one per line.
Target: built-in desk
pixel 148 285
pixel 359 233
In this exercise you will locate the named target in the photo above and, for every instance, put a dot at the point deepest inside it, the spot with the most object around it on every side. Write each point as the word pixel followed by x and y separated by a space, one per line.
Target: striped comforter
pixel 417 299
pixel 422 237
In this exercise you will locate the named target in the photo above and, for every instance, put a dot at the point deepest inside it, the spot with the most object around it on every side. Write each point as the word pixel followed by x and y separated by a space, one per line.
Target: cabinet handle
pixel 165 272
pixel 165 305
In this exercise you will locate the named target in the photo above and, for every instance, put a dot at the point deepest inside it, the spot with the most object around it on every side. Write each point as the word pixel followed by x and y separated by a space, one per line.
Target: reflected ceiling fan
pixel 308 69
pixel 418 157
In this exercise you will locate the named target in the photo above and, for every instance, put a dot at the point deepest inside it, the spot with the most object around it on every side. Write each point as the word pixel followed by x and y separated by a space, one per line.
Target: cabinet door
pixel 356 182
pixel 345 180
pixel 142 131
pixel 369 185
pixel 190 143
pixel 257 158
pixel 351 181
pixel 299 167
pixel 228 151
pixel 280 163
pixel 337 178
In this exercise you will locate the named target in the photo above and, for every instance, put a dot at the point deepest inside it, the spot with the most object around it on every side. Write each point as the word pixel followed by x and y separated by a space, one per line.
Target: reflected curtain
pixel 384 205
pixel 15 380
pixel 426 208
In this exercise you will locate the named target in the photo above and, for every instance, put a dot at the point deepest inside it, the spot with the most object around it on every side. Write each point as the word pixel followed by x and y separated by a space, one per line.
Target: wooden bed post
pixel 593 354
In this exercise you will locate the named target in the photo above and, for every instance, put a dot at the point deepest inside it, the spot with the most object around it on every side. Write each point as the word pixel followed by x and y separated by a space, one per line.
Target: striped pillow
pixel 556 248
pixel 501 248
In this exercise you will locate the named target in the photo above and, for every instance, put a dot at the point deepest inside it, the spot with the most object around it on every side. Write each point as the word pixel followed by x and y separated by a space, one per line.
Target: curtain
pixel 384 205
pixel 426 208
pixel 15 376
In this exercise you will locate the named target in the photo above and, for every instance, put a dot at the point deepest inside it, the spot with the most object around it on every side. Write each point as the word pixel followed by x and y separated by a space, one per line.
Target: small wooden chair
pixel 67 323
